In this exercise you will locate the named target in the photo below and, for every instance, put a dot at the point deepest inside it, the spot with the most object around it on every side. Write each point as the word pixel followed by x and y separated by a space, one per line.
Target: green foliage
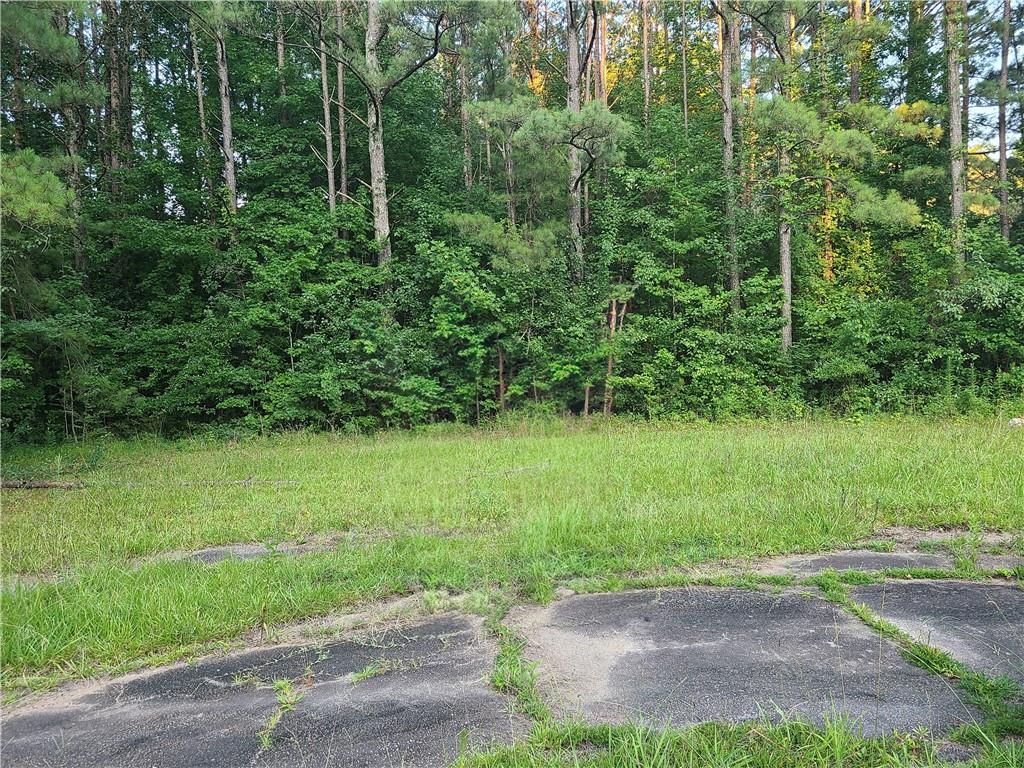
pixel 132 303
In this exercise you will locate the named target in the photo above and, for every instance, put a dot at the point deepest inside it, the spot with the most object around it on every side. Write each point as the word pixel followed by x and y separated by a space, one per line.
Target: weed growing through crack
pixel 376 668
pixel 1000 699
pixel 287 699
pixel 514 675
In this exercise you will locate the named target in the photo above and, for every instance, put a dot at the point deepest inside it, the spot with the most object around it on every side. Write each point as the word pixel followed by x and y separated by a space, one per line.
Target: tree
pixel 954 41
pixel 325 97
pixel 560 241
pixel 396 41
pixel 1004 60
pixel 204 131
pixel 214 19
pixel 645 49
pixel 728 26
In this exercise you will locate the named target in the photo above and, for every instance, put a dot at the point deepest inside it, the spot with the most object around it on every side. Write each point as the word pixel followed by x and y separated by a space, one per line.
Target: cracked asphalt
pixel 416 692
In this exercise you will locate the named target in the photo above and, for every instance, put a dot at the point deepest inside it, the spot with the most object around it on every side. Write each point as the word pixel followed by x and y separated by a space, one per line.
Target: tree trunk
pixel 857 14
pixel 575 170
pixel 510 182
pixel 589 80
pixel 73 131
pixel 965 77
pixel 785 262
pixel 501 379
pixel 749 136
pixel 645 45
pixel 375 120
pixel 602 56
pixel 1004 192
pixel 686 80
pixel 609 391
pixel 342 132
pixel 826 223
pixel 325 97
pixel 785 228
pixel 224 88
pixel 956 149
pixel 378 184
pixel 204 130
pixel 726 22
pixel 113 63
pixel 280 51
pixel 467 150
pixel 17 97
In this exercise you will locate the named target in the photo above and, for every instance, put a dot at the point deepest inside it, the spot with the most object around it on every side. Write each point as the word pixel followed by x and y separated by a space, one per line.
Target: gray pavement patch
pixel 212 555
pixel 981 625
pixel 690 655
pixel 1000 562
pixel 853 560
pixel 930 538
pixel 430 690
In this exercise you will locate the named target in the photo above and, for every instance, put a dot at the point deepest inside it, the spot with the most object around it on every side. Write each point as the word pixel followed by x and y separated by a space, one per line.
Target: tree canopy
pixel 356 214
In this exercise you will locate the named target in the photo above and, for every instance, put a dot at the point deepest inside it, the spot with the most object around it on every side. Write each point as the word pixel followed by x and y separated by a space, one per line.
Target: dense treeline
pixel 357 214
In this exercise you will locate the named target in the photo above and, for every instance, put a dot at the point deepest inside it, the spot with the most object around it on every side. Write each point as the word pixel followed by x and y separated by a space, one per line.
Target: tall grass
pixel 605 485
pixel 515 511
pixel 763 744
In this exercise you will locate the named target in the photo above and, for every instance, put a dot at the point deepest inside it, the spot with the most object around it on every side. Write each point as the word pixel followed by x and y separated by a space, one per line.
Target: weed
pixel 287 699
pixel 514 675
pixel 379 667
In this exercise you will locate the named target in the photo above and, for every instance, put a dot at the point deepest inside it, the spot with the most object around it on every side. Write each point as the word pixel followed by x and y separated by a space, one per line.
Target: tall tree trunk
pixel 785 227
pixel 501 378
pixel 280 51
pixel 953 8
pixel 609 391
pixel 786 261
pixel 467 149
pixel 602 56
pixel 686 79
pixel 204 130
pixel 375 121
pixel 73 131
pixel 645 45
pixel 857 14
pixel 726 21
pixel 826 223
pixel 510 181
pixel 112 48
pixel 575 169
pixel 589 79
pixel 616 316
pixel 17 97
pixel 227 142
pixel 342 131
pixel 325 97
pixel 1004 192
pixel 965 77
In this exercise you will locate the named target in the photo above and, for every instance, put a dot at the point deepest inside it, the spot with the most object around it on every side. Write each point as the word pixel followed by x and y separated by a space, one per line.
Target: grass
pixel 287 699
pixel 764 744
pixel 512 511
pixel 751 487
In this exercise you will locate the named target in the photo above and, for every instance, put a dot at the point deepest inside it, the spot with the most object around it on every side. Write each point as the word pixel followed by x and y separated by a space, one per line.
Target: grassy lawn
pixel 509 510
pixel 755 745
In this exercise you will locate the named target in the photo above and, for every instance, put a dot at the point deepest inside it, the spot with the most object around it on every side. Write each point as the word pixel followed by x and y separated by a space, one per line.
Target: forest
pixel 247 216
